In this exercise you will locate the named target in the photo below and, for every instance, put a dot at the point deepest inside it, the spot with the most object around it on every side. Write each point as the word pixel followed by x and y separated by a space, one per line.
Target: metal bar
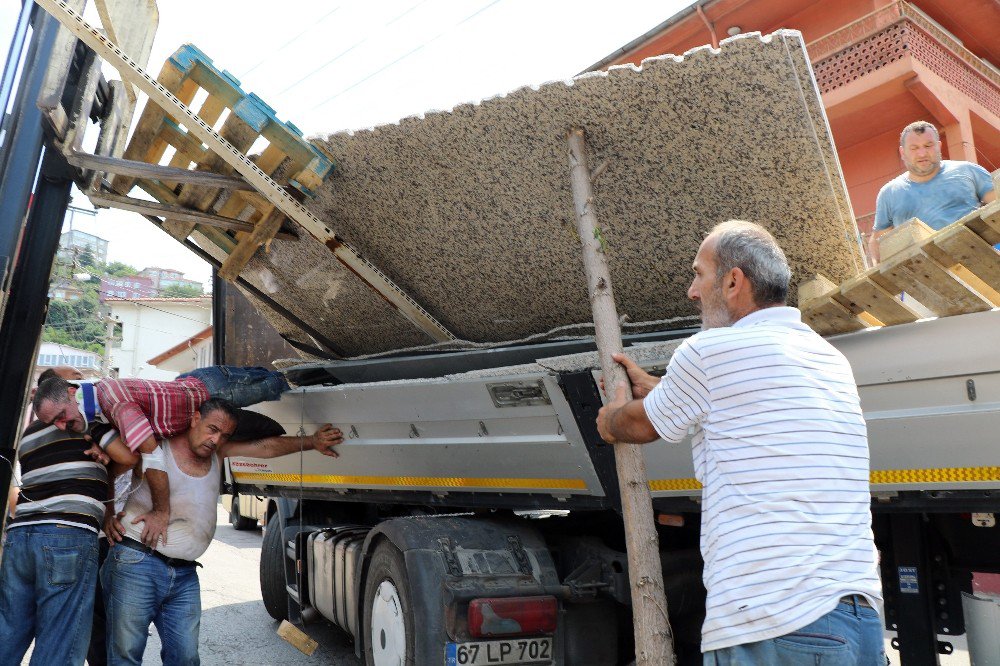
pixel 13 60
pixel 175 213
pixel 124 167
pixel 25 310
pixel 219 289
pixel 912 588
pixel 273 192
pixel 23 145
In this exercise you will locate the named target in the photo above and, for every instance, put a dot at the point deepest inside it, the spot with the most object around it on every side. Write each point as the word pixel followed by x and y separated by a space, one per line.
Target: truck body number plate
pixel 510 651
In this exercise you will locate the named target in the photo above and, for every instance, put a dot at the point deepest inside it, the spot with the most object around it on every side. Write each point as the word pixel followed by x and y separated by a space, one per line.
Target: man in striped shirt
pixel 49 569
pixel 780 447
pixel 145 411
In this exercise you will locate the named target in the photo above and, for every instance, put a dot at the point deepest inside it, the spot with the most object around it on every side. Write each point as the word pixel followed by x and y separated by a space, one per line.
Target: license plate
pixel 510 651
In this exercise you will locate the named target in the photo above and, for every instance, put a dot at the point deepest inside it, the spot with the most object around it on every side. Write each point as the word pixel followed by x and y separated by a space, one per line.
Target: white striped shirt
pixel 781 448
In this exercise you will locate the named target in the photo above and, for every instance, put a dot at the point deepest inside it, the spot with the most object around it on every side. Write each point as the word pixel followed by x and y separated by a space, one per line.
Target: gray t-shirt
pixel 956 190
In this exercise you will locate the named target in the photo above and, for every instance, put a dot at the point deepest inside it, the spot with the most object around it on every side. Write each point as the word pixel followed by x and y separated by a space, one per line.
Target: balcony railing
pixel 890 34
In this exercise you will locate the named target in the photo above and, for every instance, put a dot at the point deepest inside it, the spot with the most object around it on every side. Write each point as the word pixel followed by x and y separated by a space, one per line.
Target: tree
pixel 119 269
pixel 181 291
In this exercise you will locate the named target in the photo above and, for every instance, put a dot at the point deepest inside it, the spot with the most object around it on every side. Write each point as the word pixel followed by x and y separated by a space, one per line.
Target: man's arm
pixel 873 246
pixel 323 440
pixel 990 196
pixel 624 420
pixel 155 522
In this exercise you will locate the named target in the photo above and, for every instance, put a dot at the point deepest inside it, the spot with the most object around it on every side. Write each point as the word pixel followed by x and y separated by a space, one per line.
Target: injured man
pixel 158 583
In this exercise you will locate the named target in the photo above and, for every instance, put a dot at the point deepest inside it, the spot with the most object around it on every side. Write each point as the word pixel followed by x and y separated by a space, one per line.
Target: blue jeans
pixel 140 589
pixel 241 386
pixel 47 583
pixel 849 635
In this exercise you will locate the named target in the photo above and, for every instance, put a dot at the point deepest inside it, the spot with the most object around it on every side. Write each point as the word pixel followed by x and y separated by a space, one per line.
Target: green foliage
pixel 181 291
pixel 119 269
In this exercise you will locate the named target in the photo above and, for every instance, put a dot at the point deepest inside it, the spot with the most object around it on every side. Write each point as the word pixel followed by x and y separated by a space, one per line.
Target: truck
pixel 427 272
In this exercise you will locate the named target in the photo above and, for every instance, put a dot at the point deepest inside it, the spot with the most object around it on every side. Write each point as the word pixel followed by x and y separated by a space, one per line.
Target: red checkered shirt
pixel 141 409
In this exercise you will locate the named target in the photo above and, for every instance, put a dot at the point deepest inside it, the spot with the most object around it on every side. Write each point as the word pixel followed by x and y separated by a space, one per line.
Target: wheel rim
pixel 388 639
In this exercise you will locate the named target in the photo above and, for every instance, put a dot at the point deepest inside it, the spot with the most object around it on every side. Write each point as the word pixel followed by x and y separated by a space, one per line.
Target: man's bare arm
pixel 873 245
pixel 990 196
pixel 155 522
pixel 323 440
pixel 624 420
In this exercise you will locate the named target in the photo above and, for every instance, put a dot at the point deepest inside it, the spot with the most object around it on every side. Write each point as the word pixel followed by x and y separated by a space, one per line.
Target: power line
pixel 291 41
pixel 351 48
pixel 405 55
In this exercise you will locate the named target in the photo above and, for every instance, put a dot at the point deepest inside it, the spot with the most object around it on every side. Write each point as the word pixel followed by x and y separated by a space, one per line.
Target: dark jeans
pixel 241 386
pixel 47 593
pixel 97 653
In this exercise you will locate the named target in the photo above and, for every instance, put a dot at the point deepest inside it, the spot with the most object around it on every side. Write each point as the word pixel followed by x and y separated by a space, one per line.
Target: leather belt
pixel 129 542
pixel 855 599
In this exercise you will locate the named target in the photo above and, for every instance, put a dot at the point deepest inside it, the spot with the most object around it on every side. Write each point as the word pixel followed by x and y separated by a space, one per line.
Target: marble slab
pixel 470 210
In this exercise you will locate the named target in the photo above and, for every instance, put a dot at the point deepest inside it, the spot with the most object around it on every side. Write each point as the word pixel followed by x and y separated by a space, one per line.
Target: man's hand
pixel 608 411
pixel 113 528
pixel 642 381
pixel 327 437
pixel 97 454
pixel 154 527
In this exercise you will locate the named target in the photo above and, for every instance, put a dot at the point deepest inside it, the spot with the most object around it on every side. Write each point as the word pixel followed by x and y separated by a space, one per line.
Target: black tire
pixel 272 571
pixel 387 564
pixel 238 520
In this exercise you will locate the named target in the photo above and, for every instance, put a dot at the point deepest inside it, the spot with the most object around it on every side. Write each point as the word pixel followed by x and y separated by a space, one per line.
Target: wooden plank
pixel 911 233
pixel 865 295
pixel 241 136
pixel 961 246
pixel 986 224
pixel 263 232
pixel 819 286
pixel 174 212
pixel 828 317
pixel 156 171
pixel 930 283
pixel 297 638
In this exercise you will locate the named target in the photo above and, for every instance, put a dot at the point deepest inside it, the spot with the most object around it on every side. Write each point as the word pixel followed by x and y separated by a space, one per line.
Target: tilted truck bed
pixel 523 437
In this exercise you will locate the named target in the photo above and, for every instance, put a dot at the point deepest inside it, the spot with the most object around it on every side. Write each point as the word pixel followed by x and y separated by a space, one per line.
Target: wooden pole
pixel 654 642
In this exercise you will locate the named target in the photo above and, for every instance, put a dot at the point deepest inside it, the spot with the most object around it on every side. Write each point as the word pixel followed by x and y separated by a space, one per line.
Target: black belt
pixel 855 600
pixel 170 561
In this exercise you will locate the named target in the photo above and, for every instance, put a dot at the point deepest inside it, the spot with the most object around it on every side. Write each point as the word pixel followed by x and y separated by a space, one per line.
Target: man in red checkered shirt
pixel 146 411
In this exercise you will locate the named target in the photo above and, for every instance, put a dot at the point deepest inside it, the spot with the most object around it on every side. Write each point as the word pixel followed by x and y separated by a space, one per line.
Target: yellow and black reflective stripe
pixel 878 477
pixel 417 481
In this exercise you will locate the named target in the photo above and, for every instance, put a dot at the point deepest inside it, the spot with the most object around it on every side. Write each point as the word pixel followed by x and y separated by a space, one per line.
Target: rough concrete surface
pixel 470 210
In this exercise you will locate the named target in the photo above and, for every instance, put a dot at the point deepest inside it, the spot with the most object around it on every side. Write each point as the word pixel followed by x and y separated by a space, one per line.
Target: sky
pixel 331 66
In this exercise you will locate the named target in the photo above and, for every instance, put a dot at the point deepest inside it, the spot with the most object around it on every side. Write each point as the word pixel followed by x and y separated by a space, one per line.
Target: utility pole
pixel 654 641
pixel 109 338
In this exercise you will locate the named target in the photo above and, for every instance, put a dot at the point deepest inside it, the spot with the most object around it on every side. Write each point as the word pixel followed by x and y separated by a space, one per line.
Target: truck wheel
pixel 236 519
pixel 272 571
pixel 388 624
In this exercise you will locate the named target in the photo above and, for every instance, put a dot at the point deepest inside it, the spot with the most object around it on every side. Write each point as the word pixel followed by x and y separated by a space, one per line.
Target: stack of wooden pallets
pixel 923 273
pixel 211 197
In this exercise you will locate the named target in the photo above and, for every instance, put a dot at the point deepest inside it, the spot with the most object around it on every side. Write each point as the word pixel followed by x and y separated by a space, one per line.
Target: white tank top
pixel 193 509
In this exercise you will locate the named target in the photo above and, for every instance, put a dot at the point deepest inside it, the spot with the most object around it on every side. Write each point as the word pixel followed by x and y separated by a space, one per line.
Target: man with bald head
pixel 781 450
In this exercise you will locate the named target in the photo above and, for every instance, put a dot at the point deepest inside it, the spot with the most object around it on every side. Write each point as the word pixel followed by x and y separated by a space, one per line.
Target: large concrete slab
pixel 470 210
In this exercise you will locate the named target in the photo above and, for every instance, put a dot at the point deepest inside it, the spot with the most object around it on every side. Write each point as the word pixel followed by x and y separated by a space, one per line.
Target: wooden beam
pixel 653 637
pixel 175 213
pixel 262 233
pixel 146 171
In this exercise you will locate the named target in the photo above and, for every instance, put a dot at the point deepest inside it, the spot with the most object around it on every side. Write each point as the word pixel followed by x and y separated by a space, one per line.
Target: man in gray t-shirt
pixel 936 191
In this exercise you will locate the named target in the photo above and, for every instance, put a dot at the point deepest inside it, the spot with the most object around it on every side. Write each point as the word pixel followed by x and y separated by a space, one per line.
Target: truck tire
pixel 272 571
pixel 388 616
pixel 238 520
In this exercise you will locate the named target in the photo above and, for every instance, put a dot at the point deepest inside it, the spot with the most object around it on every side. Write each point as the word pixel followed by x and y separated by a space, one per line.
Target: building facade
pixel 879 64
pixel 129 286
pixel 74 244
pixel 151 325
pixel 195 352
pixel 161 278
pixel 51 354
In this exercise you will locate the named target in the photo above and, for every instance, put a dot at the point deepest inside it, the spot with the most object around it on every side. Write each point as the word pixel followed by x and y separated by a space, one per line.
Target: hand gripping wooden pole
pixel 653 637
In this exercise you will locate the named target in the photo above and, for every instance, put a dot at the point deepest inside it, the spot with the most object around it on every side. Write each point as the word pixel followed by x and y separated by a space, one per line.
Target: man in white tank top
pixel 160 586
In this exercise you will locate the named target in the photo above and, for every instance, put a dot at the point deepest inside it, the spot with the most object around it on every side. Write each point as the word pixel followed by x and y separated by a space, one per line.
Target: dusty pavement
pixel 235 628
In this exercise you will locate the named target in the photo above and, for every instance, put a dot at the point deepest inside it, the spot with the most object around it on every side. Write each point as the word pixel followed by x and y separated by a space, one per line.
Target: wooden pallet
pixel 923 273
pixel 287 158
